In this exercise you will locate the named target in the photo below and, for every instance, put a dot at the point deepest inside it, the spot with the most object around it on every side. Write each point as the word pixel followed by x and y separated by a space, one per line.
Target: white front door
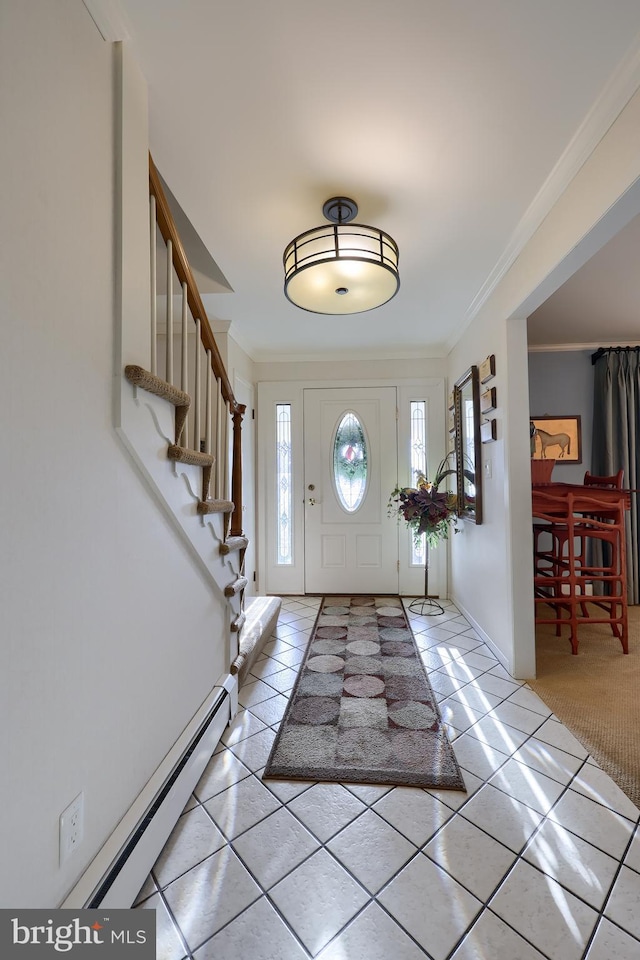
pixel 350 468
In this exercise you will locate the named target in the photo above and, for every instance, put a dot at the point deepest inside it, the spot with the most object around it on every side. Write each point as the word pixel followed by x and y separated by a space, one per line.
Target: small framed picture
pixel 488 369
pixel 556 438
pixel 488 400
pixel 488 431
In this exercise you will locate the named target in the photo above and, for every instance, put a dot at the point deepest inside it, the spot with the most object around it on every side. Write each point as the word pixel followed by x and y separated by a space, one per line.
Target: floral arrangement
pixel 425 508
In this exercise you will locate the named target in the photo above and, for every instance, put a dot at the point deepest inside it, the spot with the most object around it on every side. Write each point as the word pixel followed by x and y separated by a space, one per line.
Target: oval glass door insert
pixel 350 462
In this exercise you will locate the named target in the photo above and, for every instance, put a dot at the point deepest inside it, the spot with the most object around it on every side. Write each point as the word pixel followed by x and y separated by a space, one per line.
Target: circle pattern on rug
pixel 364 685
pixel 409 713
pixel 362 709
pixel 316 710
pixel 390 612
pixel 364 648
pixel 363 665
pixel 325 664
pixel 331 633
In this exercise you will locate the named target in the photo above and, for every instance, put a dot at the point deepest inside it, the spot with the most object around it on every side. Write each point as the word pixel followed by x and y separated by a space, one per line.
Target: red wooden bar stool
pixel 548 558
pixel 579 522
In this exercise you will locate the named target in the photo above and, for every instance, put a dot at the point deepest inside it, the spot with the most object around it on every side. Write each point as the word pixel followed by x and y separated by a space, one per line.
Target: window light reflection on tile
pixel 497 734
pixel 550 862
pixel 449 666
pixel 561 899
pixel 541 799
pixel 474 697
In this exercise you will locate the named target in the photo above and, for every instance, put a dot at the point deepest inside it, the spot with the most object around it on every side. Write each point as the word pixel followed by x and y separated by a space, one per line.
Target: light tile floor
pixel 539 859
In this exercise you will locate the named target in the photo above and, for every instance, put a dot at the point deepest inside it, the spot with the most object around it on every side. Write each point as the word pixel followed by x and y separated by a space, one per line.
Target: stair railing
pixel 215 409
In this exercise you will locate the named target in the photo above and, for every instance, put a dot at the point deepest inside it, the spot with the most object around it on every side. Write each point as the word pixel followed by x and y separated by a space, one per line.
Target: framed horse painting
pixel 556 438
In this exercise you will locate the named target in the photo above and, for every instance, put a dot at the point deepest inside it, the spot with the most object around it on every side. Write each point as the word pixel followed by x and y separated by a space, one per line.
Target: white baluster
pixel 169 373
pixel 196 391
pixel 184 372
pixel 207 445
pixel 219 461
pixel 154 290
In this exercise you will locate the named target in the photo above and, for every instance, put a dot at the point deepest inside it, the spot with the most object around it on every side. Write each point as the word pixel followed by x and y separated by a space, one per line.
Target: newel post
pixel 236 471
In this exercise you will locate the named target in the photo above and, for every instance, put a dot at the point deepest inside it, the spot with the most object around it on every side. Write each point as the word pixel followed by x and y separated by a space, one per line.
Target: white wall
pixel 600 200
pixel 109 629
pixel 351 369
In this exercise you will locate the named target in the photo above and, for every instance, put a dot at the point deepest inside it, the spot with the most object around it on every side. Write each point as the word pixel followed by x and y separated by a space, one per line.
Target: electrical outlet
pixel 71 827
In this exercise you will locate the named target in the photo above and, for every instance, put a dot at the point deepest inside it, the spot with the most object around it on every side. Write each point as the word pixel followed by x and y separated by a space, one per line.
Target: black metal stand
pixel 426 606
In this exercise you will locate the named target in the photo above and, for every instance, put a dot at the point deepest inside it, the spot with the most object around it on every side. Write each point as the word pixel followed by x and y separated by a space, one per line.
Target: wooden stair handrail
pixel 169 231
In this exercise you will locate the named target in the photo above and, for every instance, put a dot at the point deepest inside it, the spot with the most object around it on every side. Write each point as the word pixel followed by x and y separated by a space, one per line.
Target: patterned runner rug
pixel 362 709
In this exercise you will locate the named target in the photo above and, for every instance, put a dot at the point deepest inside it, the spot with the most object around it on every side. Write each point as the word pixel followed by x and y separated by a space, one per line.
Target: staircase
pixel 176 416
pixel 188 376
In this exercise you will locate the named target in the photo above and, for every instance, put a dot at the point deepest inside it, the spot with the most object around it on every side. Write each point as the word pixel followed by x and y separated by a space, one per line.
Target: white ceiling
pixel 599 304
pixel 452 124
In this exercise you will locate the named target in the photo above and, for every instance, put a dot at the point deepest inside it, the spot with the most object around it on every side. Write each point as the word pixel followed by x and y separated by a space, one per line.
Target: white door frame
pixel 289 579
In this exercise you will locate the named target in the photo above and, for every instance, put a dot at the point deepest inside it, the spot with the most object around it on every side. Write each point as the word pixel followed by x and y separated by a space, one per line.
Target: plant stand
pixel 426 606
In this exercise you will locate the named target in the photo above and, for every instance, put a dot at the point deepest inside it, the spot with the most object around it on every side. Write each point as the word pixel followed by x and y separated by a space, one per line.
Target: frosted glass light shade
pixel 341 269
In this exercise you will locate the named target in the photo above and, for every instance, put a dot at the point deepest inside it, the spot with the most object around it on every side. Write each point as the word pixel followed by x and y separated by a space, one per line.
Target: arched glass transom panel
pixel 350 462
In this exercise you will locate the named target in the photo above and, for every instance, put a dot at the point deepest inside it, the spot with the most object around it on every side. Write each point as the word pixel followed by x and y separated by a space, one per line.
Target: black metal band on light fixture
pixel 341 267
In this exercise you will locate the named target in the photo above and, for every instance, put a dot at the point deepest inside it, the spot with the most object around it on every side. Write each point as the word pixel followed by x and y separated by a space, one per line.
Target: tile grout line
pixel 452 812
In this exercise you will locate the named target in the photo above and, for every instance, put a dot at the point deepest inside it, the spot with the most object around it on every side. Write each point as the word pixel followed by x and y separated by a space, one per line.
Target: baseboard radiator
pixel 120 868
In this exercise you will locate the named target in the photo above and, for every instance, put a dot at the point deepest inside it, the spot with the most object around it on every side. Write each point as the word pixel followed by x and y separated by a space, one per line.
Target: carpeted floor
pixel 362 709
pixel 596 694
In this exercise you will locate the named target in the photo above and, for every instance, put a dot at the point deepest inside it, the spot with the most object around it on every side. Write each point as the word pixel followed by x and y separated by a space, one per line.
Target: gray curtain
pixel 616 436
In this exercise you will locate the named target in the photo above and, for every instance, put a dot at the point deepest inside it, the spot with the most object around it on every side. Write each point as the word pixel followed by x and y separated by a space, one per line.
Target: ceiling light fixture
pixel 341 267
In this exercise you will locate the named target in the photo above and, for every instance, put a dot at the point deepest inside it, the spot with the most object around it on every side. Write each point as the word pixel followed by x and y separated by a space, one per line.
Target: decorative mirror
pixel 468 447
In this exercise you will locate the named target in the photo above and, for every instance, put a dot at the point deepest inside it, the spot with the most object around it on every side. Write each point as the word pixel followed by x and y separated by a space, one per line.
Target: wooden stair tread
pixel 139 377
pixel 186 455
pixel 261 618
pixel 234 543
pixel 234 588
pixel 215 506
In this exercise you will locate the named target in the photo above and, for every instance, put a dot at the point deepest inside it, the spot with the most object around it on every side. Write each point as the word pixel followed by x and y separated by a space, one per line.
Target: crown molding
pixel 574 347
pixel 613 98
pixel 333 356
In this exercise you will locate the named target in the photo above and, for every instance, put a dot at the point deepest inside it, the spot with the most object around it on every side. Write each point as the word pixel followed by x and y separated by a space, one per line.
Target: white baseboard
pixel 116 874
pixel 496 651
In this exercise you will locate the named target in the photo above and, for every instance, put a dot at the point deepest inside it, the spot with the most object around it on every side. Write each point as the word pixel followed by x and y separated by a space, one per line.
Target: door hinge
pixel 397 414
pixel 398 566
pixel 253 414
pixel 254 576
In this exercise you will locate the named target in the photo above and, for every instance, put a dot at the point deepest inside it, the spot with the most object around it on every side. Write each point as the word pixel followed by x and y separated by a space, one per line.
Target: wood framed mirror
pixel 468 446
